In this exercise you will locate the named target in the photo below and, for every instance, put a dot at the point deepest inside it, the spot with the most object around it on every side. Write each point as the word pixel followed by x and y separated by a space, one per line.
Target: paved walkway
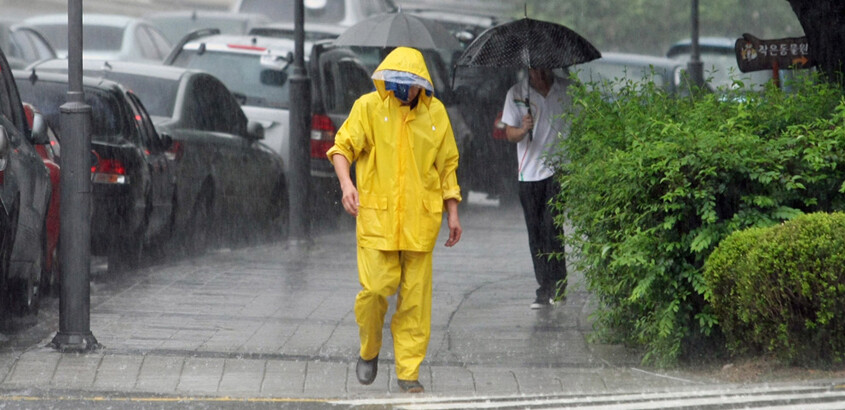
pixel 276 322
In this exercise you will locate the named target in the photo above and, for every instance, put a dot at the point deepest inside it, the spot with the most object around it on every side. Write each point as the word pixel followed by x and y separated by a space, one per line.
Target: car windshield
pixel 317 11
pixel 243 74
pixel 108 119
pixel 157 94
pixel 99 38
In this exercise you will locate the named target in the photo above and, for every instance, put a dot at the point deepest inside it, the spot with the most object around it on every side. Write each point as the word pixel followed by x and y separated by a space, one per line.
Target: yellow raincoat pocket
pixel 430 224
pixel 372 216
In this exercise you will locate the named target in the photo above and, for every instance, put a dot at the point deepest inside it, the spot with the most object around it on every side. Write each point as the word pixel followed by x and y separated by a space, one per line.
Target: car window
pixel 40 49
pixel 243 75
pixel 21 47
pixel 157 94
pixel 145 44
pixel 721 70
pixel 108 114
pixel 7 99
pixel 148 133
pixel 617 74
pixel 162 44
pixel 318 11
pixel 215 109
pixel 100 38
pixel 354 83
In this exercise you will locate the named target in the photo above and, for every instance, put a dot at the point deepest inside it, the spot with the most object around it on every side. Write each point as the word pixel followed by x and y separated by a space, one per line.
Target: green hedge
pixel 781 289
pixel 651 183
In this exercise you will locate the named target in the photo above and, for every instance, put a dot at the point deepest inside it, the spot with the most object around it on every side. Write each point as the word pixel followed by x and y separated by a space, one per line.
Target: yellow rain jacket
pixel 405 162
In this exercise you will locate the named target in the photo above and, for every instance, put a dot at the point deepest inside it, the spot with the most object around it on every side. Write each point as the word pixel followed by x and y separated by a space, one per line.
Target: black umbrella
pixel 528 43
pixel 399 29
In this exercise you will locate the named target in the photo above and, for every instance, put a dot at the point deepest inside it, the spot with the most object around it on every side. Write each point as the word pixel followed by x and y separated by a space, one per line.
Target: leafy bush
pixel 781 289
pixel 651 183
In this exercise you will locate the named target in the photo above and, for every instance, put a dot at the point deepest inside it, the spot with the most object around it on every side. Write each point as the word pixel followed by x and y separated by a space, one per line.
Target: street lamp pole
pixel 695 67
pixel 299 177
pixel 75 231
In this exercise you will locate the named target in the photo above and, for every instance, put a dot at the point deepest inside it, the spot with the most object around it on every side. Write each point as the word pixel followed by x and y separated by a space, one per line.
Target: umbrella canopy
pixel 528 43
pixel 399 29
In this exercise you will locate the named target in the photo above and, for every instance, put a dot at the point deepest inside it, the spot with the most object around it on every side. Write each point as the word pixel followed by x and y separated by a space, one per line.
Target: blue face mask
pixel 399 90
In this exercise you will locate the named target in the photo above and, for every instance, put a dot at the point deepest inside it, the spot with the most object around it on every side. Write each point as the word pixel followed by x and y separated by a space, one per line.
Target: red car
pixel 50 154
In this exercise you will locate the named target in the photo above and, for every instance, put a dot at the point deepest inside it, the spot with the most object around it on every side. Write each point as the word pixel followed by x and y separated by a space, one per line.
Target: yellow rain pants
pixel 380 274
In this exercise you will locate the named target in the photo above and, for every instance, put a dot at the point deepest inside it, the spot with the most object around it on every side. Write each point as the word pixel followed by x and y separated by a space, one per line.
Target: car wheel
pixel 126 252
pixel 50 277
pixel 278 212
pixel 200 225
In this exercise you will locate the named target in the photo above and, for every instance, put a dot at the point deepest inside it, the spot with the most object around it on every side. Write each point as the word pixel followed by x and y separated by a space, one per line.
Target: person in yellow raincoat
pixel 401 142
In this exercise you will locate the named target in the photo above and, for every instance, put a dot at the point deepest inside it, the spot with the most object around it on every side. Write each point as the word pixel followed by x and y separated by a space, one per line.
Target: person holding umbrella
pixel 401 141
pixel 532 115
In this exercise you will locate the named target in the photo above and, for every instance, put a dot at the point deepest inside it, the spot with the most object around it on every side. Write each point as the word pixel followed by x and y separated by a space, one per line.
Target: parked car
pixel 178 23
pixel 49 153
pixel 340 12
pixel 24 197
pixel 313 31
pixel 617 68
pixel 106 37
pixel 227 180
pixel 133 182
pixel 255 69
pixel 24 45
pixel 718 58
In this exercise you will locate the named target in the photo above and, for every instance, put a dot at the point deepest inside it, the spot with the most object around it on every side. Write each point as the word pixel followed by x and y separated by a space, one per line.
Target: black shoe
pixel 410 386
pixel 366 370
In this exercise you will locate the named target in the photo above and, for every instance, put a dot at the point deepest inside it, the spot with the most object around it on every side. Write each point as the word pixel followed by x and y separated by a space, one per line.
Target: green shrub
pixel 651 183
pixel 781 289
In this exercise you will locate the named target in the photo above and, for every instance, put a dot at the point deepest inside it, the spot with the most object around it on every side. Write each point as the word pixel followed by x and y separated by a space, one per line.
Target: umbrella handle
pixel 530 131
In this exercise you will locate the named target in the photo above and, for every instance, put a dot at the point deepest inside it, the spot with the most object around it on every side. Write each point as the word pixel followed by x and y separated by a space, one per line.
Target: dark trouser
pixel 543 235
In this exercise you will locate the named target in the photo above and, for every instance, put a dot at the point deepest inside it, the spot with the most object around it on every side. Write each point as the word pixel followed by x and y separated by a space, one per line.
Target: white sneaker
pixel 540 303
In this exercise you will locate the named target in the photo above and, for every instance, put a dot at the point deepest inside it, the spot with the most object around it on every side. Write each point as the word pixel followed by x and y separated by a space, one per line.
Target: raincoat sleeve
pixel 353 137
pixel 446 163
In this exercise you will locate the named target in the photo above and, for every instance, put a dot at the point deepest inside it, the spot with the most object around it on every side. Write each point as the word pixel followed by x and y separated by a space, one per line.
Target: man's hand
pixel 454 223
pixel 350 199
pixel 527 123
pixel 350 193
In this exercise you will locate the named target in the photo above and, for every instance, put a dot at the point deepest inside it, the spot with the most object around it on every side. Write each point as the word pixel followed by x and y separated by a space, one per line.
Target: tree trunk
pixel 824 25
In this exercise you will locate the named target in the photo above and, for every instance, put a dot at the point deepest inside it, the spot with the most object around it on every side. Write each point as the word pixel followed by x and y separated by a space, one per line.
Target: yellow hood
pixel 408 60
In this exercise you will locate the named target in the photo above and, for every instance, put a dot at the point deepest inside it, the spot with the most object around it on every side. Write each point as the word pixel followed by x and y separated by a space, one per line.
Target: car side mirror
pixel 166 141
pixel 255 131
pixel 39 135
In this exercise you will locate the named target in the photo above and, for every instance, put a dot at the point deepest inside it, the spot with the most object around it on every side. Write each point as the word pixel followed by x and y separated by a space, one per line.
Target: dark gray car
pixel 132 179
pixel 227 179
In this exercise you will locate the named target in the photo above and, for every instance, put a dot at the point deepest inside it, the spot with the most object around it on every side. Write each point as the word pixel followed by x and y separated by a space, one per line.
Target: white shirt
pixel 548 125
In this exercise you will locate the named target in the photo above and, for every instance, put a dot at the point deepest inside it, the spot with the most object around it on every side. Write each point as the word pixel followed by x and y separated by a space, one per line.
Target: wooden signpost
pixel 754 54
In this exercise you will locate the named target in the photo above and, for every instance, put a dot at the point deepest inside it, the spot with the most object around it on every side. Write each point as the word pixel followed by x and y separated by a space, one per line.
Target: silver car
pixel 107 37
pixel 340 12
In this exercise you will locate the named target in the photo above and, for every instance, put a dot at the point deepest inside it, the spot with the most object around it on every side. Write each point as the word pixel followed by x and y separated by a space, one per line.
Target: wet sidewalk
pixel 277 322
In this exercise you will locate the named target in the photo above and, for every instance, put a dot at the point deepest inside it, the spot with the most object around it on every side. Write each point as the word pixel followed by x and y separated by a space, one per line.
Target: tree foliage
pixel 651 183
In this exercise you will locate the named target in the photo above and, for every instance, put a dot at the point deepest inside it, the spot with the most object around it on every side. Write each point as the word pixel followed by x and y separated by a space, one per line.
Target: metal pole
pixel 299 177
pixel 75 230
pixel 695 67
